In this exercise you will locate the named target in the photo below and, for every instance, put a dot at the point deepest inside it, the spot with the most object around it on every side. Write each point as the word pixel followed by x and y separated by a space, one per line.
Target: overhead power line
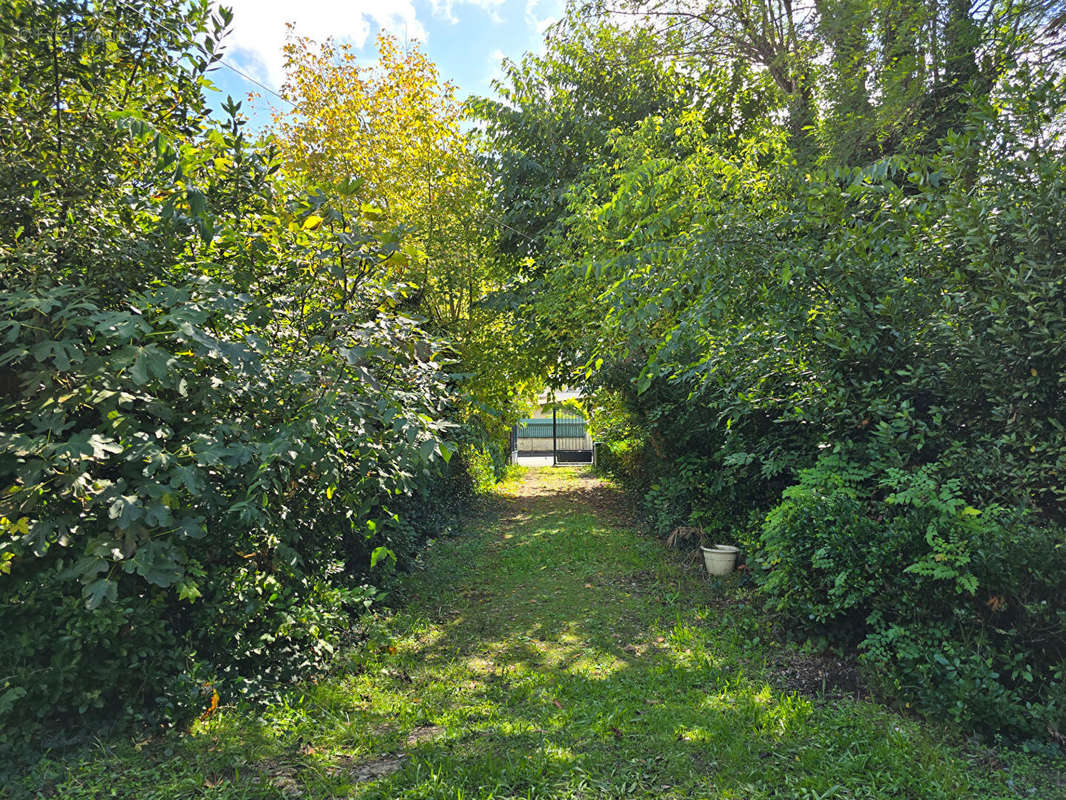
pixel 221 62
pixel 265 88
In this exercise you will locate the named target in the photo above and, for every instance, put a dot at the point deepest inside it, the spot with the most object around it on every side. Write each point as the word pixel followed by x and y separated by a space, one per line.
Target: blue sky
pixel 466 38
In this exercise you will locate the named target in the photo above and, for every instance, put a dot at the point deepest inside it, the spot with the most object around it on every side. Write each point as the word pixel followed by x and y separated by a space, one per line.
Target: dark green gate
pixel 563 436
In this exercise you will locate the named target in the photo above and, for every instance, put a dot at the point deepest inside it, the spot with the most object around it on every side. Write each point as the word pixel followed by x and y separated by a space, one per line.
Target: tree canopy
pixel 815 282
pixel 806 262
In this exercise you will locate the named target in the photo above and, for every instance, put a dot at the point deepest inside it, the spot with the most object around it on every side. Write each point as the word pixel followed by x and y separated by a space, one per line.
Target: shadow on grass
pixel 548 652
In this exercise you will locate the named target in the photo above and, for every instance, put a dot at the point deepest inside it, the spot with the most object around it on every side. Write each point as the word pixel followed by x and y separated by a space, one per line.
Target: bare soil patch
pixel 818 676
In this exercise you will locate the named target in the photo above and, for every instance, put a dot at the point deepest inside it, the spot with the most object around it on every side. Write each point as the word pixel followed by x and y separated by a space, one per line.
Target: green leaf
pixel 380 553
pixel 99 592
pixel 9 698
pixel 446 451
pixel 126 510
pixel 197 202
pixel 150 361
pixel 102 445
pixel 158 562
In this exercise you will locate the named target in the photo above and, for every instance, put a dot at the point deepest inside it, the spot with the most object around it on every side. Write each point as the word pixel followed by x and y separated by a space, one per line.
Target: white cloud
pixel 496 58
pixel 539 24
pixel 258 30
pixel 445 9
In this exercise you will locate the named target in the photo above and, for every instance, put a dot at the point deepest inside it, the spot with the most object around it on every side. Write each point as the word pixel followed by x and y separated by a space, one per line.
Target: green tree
pixel 394 133
pixel 554 132
pixel 879 333
pixel 69 68
pixel 860 79
pixel 555 116
pixel 216 422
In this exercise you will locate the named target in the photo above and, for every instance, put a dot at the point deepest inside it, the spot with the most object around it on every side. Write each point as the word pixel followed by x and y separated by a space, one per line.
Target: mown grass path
pixel 551 652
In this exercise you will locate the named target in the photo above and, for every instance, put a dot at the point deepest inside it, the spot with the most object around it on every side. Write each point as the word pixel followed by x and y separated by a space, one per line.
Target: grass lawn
pixel 551 652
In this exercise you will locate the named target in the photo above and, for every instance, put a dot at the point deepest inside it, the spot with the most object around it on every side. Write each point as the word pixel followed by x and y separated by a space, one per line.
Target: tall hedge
pixel 857 372
pixel 219 431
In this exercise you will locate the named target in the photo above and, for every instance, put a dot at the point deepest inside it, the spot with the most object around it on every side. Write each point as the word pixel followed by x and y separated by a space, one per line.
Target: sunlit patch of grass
pixel 548 653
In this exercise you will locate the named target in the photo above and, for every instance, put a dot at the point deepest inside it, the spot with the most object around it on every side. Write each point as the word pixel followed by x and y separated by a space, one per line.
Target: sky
pixel 466 38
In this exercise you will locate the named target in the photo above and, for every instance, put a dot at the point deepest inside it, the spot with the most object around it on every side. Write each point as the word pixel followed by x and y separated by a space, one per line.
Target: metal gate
pixel 564 436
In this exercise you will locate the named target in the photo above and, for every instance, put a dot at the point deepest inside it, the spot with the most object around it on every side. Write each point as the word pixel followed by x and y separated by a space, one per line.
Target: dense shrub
pixel 220 431
pixel 619 460
pixel 954 608
pixel 907 315
pixel 163 458
pixel 666 450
